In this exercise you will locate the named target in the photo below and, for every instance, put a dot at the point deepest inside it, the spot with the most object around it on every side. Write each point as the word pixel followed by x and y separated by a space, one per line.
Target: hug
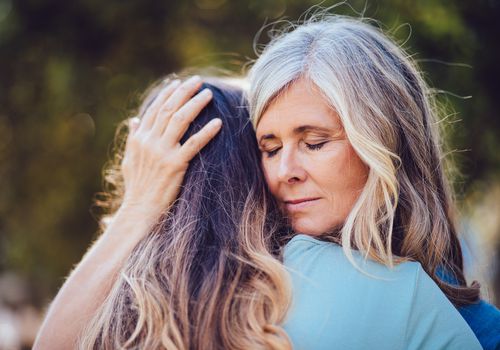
pixel 311 211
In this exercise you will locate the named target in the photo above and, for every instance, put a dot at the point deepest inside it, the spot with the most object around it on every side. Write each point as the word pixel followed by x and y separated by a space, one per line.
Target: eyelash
pixel 316 146
pixel 270 154
pixel 312 147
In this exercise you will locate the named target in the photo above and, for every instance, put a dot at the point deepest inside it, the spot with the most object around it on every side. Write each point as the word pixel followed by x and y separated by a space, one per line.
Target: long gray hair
pixel 405 211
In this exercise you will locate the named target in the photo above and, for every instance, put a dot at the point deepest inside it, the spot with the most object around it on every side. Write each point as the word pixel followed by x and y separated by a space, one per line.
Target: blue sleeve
pixel 434 323
pixel 484 319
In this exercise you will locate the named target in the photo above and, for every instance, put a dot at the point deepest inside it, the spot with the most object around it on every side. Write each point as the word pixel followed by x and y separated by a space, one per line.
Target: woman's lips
pixel 299 204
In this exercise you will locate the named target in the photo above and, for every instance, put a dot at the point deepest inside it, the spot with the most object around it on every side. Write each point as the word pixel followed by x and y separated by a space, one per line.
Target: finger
pixel 133 125
pixel 180 120
pixel 199 140
pixel 151 112
pixel 176 100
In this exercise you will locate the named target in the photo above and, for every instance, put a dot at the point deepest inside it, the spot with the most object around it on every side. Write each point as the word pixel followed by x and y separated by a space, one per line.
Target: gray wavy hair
pixel 405 211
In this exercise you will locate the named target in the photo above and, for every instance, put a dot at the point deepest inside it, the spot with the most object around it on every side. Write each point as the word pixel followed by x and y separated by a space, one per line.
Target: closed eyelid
pixel 267 147
pixel 324 138
pixel 316 139
pixel 323 134
pixel 266 137
pixel 316 142
pixel 269 142
pixel 316 145
pixel 269 153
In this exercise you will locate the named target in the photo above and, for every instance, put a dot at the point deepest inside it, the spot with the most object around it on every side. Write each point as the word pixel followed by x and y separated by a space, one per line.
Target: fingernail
pixel 175 83
pixel 206 92
pixel 195 78
pixel 169 81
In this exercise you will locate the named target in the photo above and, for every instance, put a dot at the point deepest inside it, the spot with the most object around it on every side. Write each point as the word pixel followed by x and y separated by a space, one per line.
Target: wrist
pixel 138 212
pixel 132 220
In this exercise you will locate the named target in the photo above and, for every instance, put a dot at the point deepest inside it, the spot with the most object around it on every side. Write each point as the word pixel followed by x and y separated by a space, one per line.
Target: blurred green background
pixel 71 70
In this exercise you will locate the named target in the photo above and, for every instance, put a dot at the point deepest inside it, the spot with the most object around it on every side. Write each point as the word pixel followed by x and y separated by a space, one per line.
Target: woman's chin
pixel 307 228
pixel 314 227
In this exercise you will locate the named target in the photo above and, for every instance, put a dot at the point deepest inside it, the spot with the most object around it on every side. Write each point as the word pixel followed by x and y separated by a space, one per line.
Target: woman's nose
pixel 290 169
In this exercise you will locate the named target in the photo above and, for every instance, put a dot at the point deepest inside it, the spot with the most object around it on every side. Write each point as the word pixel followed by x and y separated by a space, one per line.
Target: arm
pixel 484 319
pixel 153 168
pixel 434 322
pixel 89 283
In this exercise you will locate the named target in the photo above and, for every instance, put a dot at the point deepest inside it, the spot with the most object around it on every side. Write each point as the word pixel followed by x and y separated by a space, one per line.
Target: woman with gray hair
pixel 350 148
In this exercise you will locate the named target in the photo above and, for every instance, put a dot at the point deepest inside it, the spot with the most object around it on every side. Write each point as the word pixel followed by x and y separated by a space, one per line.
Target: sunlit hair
pixel 207 276
pixel 405 211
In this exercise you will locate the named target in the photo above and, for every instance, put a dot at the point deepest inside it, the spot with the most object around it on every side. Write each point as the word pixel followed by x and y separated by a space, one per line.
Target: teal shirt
pixel 337 306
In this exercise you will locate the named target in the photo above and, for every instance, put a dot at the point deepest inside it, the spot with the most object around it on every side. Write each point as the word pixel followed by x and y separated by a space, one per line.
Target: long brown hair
pixel 207 276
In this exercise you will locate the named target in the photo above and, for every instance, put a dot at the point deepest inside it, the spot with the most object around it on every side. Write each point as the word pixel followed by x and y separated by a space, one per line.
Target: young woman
pixel 195 274
pixel 351 151
pixel 204 278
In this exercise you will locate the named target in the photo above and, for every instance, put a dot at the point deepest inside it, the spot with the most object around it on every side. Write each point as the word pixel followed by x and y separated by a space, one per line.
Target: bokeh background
pixel 71 70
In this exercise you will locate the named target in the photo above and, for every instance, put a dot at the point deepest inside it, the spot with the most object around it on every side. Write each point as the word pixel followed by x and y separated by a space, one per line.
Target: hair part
pixel 405 211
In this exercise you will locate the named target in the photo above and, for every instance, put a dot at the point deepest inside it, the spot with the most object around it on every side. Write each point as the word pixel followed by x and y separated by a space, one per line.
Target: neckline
pixel 304 237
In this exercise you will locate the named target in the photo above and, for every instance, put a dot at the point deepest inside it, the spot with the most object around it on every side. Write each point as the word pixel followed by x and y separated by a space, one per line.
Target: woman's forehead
pixel 301 104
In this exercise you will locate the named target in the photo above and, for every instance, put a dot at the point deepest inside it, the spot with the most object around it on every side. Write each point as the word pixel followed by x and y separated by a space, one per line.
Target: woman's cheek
pixel 270 179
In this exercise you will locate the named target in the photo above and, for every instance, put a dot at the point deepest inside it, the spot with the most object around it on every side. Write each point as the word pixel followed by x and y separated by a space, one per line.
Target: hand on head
pixel 154 161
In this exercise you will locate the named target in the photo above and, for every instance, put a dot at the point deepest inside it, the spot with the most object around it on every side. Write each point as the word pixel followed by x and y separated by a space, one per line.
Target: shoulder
pixel 322 268
pixel 408 308
pixel 435 320
pixel 307 254
pixel 332 297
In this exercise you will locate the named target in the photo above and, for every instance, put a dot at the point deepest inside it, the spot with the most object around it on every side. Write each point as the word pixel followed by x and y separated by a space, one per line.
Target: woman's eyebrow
pixel 310 128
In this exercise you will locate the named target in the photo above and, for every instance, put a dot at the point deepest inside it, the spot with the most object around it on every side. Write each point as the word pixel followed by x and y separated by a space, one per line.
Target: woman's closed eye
pixel 269 153
pixel 272 152
pixel 315 146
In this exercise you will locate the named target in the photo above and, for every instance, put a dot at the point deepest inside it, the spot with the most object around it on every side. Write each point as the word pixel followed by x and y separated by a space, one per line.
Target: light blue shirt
pixel 337 306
